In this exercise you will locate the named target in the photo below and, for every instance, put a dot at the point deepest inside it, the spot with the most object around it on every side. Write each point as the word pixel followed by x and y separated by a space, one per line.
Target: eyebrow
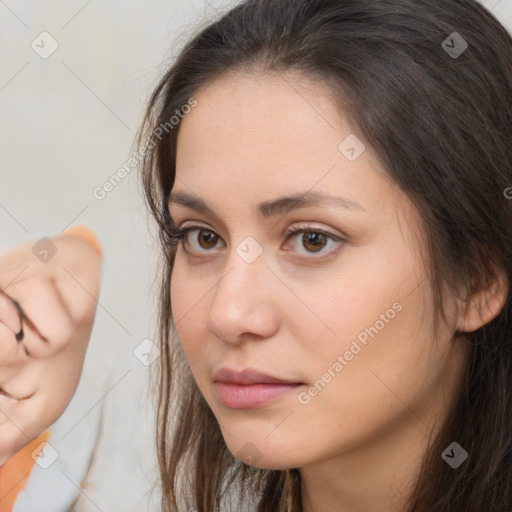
pixel 272 207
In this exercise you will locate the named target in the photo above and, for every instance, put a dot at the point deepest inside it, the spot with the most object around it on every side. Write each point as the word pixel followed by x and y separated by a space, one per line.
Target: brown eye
pixel 310 240
pixel 205 238
pixel 314 241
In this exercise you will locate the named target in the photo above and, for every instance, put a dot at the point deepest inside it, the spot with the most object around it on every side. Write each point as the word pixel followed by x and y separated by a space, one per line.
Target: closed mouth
pixel 248 377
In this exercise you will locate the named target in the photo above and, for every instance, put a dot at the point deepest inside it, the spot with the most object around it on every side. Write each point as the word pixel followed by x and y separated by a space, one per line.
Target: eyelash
pixel 177 235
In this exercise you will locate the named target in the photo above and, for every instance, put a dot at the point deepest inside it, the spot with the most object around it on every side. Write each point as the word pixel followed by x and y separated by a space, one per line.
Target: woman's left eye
pixel 314 240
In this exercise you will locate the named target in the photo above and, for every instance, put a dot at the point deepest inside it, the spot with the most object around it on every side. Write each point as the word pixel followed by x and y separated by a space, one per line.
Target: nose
pixel 244 302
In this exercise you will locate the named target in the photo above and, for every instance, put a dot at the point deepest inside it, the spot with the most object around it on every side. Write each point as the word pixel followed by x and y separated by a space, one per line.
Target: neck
pixel 377 475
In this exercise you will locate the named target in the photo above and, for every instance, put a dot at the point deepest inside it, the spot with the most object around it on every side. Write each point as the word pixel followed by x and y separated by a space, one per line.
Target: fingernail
pixel 87 234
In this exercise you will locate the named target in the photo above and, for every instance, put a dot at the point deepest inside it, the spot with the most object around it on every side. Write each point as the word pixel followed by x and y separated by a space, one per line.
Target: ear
pixel 484 305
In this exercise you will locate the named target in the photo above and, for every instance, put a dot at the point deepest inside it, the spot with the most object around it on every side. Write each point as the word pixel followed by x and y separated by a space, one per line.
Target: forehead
pixel 254 137
pixel 272 125
pixel 281 108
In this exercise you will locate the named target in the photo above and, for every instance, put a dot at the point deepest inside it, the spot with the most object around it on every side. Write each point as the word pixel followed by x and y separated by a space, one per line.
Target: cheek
pixel 188 299
pixel 182 301
pixel 380 358
pixel 186 291
pixel 357 307
pixel 343 299
pixel 365 331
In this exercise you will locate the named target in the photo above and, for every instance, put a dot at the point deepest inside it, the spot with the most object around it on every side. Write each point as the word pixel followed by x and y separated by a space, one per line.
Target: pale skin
pixel 291 312
pixel 44 369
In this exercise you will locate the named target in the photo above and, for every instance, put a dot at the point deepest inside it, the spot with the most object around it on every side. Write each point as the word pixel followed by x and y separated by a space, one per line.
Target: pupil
pixel 207 237
pixel 317 240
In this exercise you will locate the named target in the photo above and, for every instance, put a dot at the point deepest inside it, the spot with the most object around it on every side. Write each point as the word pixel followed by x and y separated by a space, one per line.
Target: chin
pixel 273 463
pixel 265 457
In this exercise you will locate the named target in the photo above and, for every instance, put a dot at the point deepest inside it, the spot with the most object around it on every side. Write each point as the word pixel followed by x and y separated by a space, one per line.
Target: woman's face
pixel 338 309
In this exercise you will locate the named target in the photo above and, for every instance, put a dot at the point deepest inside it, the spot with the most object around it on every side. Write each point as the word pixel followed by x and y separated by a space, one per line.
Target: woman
pixel 329 178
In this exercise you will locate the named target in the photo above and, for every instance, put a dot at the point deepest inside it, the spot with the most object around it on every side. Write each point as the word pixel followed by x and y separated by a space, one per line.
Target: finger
pixel 43 304
pixel 87 234
pixel 9 315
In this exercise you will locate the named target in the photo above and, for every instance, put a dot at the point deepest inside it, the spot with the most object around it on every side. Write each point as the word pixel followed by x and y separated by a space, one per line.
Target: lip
pixel 250 388
pixel 248 376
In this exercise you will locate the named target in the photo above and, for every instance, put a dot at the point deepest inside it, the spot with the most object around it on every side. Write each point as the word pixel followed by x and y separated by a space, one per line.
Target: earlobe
pixel 484 305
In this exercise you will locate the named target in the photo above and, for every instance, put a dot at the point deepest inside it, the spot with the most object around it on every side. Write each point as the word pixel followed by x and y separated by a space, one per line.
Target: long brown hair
pixel 438 114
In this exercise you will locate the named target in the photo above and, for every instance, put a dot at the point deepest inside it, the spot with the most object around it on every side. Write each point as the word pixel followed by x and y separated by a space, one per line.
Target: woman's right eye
pixel 204 240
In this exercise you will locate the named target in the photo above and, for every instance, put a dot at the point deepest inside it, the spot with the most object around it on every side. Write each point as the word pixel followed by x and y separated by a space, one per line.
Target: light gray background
pixel 67 123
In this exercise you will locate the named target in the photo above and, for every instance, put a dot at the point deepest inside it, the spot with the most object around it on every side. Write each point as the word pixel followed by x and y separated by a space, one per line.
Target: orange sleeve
pixel 15 472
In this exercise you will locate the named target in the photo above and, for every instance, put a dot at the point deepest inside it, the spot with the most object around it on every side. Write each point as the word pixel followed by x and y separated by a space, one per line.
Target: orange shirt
pixel 15 472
